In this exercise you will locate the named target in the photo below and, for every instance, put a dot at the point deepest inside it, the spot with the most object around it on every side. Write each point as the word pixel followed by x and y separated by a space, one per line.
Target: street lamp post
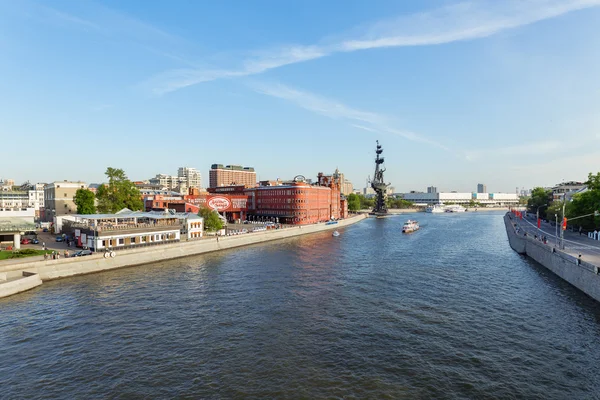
pixel 537 214
pixel 556 230
pixel 562 228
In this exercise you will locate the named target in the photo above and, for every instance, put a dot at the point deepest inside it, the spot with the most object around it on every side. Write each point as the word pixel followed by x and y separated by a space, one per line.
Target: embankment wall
pixel 14 282
pixel 583 275
pixel 61 268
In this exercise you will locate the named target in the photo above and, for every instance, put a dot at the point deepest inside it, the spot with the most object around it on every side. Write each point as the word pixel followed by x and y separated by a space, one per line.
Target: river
pixel 448 312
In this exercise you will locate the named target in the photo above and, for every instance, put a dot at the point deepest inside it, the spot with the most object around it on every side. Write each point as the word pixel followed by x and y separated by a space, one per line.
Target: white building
pixel 129 229
pixel 485 199
pixel 165 181
pixel 30 196
pixel 566 190
pixel 190 176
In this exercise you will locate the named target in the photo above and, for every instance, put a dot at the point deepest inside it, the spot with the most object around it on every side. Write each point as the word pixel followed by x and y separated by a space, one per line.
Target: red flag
pixel 564 224
pixel 520 215
pixel 539 223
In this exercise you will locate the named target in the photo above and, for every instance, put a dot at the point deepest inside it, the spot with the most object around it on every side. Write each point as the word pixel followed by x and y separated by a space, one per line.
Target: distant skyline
pixel 504 93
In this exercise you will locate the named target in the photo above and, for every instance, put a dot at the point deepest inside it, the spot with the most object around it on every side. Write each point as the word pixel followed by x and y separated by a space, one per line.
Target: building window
pixel 65 195
pixel 121 241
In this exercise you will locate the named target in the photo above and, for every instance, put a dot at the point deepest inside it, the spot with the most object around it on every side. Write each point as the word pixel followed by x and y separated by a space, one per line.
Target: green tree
pixel 353 202
pixel 586 203
pixel 212 222
pixel 84 200
pixel 539 198
pixel 119 193
pixel 366 203
pixel 399 203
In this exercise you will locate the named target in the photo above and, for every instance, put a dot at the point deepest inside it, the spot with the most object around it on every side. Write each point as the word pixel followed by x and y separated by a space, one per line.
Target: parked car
pixel 82 253
pixel 35 241
pixel 59 238
pixel 45 230
pixel 25 241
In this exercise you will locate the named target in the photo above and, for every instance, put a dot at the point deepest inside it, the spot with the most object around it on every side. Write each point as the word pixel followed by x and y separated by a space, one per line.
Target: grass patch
pixel 8 254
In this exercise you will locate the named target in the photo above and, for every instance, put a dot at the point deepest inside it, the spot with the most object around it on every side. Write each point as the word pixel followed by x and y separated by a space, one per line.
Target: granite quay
pixel 576 260
pixel 65 267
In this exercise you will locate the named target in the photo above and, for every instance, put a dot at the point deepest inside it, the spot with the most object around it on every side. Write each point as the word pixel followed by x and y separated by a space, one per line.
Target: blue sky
pixel 501 92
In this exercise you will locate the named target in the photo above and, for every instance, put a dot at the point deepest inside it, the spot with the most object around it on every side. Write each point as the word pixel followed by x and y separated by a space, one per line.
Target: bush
pixel 28 252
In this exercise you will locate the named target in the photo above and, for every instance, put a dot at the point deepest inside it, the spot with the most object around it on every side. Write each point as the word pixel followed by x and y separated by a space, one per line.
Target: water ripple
pixel 450 312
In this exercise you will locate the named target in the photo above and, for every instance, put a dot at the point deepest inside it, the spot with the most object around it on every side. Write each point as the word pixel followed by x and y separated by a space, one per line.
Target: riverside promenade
pixel 577 263
pixel 25 274
pixel 573 243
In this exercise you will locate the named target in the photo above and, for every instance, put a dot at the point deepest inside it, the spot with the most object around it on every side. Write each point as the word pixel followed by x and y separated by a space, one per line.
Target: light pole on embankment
pixel 564 226
pixel 556 230
pixel 595 214
pixel 537 214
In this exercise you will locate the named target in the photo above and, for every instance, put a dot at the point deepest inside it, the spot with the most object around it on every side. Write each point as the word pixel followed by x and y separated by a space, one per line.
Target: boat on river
pixel 436 208
pixel 335 234
pixel 455 208
pixel 410 226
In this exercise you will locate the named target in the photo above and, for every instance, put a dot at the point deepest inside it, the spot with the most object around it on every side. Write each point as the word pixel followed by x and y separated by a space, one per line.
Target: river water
pixel 449 312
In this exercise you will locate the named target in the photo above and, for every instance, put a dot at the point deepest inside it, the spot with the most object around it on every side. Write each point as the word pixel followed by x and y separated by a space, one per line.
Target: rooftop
pixel 126 214
pixel 14 224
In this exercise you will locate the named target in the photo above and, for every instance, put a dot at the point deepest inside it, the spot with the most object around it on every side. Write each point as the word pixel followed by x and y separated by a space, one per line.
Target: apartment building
pixel 230 175
pixel 58 198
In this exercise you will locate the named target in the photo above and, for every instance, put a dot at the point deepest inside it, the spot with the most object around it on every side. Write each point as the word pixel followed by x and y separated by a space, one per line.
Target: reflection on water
pixel 449 311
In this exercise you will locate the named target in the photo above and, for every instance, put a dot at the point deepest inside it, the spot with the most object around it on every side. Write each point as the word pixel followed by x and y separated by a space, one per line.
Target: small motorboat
pixel 410 226
pixel 335 234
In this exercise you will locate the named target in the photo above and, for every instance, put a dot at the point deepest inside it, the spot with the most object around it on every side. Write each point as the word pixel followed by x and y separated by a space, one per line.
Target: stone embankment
pixel 579 273
pixel 26 275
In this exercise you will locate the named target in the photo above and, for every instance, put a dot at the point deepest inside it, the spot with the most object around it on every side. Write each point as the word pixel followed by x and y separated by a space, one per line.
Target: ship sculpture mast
pixel 378 184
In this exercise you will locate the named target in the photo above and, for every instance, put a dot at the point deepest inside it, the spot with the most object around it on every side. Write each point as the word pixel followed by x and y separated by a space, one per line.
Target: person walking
pixel 44 246
pixel 579 230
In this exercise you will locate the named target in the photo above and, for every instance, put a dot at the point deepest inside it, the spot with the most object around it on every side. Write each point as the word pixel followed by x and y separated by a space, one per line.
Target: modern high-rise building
pixel 228 175
pixel 432 189
pixel 481 188
pixel 190 177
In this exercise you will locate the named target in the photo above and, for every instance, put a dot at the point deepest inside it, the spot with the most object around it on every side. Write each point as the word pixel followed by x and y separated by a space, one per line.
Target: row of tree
pixel 359 202
pixel 586 203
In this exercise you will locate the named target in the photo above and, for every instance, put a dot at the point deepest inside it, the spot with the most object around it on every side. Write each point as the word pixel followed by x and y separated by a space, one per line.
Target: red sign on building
pixel 220 203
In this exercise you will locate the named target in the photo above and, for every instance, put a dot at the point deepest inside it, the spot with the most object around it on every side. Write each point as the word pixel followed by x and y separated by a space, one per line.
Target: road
pixel 574 244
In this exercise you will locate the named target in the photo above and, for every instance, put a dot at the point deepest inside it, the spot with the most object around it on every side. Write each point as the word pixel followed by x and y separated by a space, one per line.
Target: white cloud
pixel 365 120
pixel 459 22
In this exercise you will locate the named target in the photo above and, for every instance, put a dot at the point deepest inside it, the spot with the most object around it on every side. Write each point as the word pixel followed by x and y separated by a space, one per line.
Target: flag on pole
pixel 539 223
pixel 564 224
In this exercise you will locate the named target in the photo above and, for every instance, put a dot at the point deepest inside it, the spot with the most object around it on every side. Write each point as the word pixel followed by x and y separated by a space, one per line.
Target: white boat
pixel 455 208
pixel 410 226
pixel 335 234
pixel 436 208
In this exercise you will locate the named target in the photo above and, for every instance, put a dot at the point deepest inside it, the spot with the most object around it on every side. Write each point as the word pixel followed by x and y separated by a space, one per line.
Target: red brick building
pixel 296 202
pixel 159 203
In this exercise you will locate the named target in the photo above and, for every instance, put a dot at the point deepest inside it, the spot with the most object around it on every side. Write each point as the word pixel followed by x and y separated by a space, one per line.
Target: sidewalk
pixel 574 244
